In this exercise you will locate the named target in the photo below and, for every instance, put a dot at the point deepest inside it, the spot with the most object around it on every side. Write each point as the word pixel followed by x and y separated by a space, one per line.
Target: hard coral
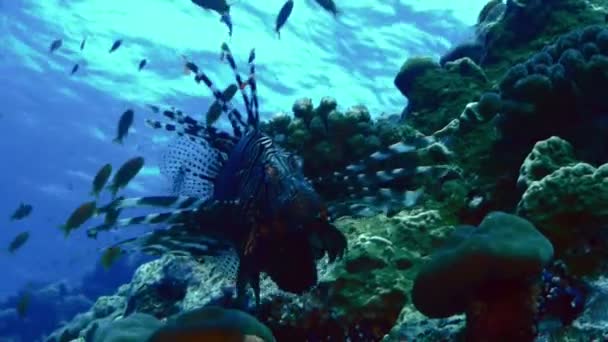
pixel 488 272
pixel 546 157
pixel 556 92
pixel 568 206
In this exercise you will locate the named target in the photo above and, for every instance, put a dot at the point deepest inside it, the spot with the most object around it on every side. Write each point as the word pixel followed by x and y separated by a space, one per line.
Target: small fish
pixel 142 64
pixel 111 216
pixel 82 44
pixel 79 216
pixel 329 5
pixel 227 19
pixel 110 256
pixel 74 69
pixel 220 6
pixel 101 178
pixel 18 242
pixel 115 46
pixel 154 108
pixel 23 211
pixel 125 122
pixel 283 16
pixel 56 44
pixel 125 174
pixel 23 304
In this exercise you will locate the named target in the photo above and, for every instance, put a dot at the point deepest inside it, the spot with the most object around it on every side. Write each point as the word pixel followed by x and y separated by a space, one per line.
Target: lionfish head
pixel 301 213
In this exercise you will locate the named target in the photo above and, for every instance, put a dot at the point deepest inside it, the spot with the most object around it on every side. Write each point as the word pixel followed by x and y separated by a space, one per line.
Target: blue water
pixel 56 129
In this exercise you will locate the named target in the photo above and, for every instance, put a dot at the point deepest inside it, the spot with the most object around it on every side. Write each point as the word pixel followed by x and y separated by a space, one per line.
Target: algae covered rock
pixel 412 69
pixel 433 92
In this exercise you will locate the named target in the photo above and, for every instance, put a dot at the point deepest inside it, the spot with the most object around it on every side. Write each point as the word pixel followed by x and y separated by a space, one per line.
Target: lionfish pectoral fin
pixel 175 240
pixel 173 202
pixel 174 217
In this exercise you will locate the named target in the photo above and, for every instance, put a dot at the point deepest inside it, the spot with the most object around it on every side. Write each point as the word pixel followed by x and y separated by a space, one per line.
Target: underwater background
pixel 457 148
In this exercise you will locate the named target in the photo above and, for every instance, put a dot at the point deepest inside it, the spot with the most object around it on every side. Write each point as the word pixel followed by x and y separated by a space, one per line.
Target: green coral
pixel 546 156
pixel 569 207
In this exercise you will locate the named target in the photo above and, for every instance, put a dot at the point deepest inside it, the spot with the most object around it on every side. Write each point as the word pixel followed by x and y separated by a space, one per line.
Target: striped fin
pixel 191 166
pixel 234 116
pixel 239 80
pixel 172 217
pixel 173 202
pixel 186 125
pixel 255 120
pixel 394 151
pixel 176 129
pixel 179 117
pixel 382 201
pixel 177 241
pixel 394 163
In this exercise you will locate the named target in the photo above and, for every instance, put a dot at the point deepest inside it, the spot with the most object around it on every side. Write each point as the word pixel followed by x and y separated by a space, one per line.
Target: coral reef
pixel 106 308
pixel 48 306
pixel 522 112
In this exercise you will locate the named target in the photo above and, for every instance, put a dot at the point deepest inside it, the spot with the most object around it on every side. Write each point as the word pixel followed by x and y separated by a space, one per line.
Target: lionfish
pixel 235 191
